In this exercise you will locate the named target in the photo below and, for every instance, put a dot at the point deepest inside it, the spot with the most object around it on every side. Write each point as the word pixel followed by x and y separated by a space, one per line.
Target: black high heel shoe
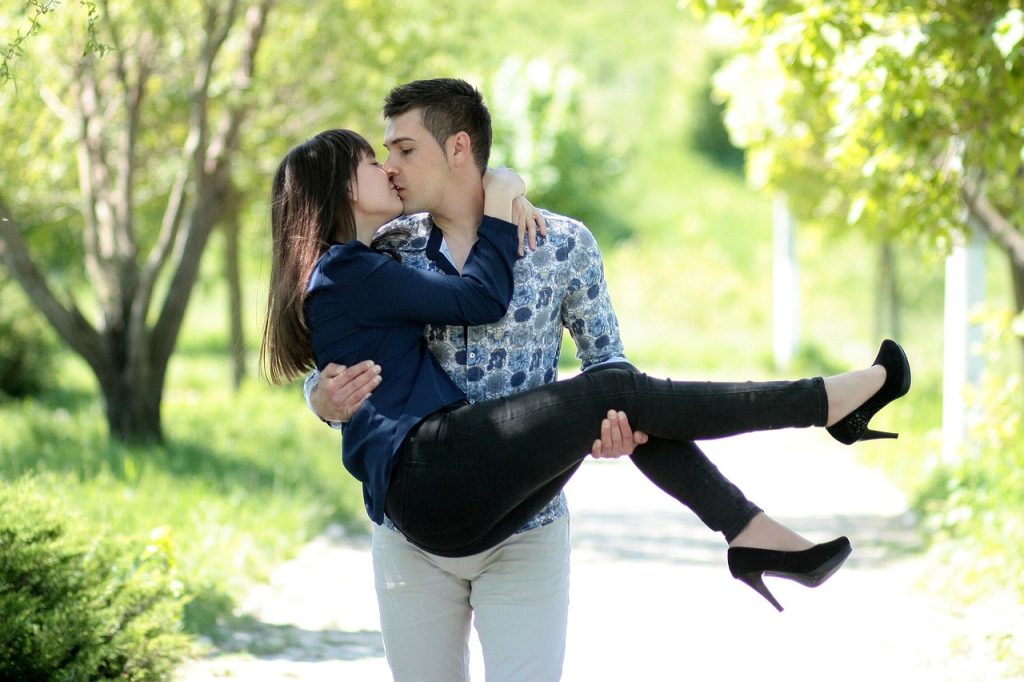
pixel 810 567
pixel 854 426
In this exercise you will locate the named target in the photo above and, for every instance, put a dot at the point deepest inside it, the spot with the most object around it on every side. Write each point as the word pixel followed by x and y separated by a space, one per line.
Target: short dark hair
pixel 449 105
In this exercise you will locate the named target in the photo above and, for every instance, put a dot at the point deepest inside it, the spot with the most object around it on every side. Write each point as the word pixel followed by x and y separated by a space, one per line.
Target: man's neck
pixel 459 221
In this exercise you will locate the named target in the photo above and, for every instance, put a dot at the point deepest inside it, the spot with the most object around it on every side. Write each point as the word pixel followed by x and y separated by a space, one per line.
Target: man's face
pixel 416 162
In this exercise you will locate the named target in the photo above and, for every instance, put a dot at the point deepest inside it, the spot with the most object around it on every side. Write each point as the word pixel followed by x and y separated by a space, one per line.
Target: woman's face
pixel 374 197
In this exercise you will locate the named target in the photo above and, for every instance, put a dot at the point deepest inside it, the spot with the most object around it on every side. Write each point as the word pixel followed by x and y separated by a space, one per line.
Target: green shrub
pixel 974 503
pixel 78 606
pixel 980 492
pixel 26 344
pixel 708 135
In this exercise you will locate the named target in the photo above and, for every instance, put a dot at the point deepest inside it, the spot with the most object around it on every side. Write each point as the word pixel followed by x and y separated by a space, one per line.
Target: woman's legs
pixel 764 532
pixel 847 391
pixel 683 471
pixel 462 472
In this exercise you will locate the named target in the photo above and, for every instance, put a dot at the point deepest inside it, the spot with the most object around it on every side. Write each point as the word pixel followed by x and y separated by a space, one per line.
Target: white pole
pixel 785 285
pixel 962 365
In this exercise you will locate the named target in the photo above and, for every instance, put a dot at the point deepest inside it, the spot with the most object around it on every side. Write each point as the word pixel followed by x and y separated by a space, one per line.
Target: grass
pixel 241 482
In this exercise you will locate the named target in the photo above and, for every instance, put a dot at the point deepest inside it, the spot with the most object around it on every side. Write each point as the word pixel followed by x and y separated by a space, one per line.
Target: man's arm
pixel 588 315
pixel 337 392
pixel 587 307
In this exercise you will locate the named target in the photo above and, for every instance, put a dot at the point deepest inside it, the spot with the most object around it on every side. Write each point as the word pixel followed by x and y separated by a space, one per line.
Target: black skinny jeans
pixel 470 476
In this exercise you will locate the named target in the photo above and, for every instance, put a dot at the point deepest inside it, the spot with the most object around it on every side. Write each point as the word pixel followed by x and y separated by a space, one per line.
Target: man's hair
pixel 448 105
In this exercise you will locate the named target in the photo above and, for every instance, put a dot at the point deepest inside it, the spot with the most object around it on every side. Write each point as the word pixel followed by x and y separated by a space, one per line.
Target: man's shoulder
pixel 405 233
pixel 563 227
pixel 567 233
pixel 562 221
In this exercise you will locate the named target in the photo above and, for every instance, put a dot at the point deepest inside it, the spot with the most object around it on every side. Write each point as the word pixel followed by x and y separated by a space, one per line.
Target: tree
pixel 152 115
pixel 894 117
pixel 327 65
pixel 541 130
pixel 232 227
pixel 139 126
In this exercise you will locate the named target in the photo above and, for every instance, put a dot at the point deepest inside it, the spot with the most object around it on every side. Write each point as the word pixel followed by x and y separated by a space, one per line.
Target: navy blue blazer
pixel 362 304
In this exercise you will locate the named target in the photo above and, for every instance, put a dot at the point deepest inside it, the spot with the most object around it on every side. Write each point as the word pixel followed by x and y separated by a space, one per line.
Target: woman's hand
pixel 501 187
pixel 504 198
pixel 530 220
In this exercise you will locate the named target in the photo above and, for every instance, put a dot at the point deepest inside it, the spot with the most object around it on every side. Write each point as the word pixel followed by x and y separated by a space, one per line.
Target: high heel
pixel 854 426
pixel 810 567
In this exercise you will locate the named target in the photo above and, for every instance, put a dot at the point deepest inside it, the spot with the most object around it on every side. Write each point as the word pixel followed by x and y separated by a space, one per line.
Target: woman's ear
pixel 353 191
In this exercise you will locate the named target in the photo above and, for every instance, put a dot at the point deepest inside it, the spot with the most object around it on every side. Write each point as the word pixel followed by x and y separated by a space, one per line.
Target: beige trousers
pixel 516 594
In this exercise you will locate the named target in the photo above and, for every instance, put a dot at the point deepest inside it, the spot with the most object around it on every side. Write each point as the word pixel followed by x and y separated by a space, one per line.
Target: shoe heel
pixel 853 427
pixel 756 581
pixel 870 434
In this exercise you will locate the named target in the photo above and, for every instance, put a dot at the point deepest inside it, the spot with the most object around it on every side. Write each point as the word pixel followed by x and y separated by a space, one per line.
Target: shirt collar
pixel 437 251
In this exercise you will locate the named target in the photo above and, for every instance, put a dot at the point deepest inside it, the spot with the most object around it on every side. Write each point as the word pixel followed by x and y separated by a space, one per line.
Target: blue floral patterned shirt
pixel 560 285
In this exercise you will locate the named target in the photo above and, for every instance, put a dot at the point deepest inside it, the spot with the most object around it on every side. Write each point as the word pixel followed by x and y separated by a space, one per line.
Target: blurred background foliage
pixel 616 114
pixel 902 122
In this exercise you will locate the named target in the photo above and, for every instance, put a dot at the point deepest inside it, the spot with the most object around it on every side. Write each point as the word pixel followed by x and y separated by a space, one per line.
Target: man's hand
pixel 342 390
pixel 617 439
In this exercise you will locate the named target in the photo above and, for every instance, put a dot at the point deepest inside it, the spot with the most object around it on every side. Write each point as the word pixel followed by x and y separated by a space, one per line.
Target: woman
pixel 453 476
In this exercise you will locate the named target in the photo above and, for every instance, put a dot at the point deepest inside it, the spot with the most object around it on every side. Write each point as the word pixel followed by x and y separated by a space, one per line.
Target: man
pixel 518 590
pixel 438 136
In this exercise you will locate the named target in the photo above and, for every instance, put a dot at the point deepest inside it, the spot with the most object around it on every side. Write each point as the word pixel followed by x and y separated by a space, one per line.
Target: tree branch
pixel 191 165
pixel 226 140
pixel 52 100
pixel 132 94
pixel 92 179
pixel 67 320
pixel 211 192
pixel 995 224
pixel 186 246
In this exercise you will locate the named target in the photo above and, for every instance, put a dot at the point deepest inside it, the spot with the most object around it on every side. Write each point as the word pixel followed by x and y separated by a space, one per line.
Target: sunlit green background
pixel 607 109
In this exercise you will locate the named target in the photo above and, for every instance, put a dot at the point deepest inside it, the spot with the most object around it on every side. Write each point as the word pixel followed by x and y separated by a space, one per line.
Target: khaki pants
pixel 517 594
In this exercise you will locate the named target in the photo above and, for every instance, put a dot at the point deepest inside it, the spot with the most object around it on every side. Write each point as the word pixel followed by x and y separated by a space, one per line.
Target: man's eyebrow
pixel 397 140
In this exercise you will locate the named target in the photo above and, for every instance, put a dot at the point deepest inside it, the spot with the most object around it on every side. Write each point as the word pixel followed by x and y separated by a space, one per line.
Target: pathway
pixel 652 598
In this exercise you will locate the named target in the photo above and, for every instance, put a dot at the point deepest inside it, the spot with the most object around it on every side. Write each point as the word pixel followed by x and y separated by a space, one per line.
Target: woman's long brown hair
pixel 310 207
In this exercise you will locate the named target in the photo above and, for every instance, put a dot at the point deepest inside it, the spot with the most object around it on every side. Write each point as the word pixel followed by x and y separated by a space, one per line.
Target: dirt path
pixel 652 598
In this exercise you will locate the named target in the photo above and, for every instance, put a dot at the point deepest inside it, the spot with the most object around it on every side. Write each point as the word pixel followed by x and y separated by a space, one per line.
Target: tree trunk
pixel 133 410
pixel 1005 234
pixel 887 301
pixel 1017 272
pixel 233 270
pixel 132 386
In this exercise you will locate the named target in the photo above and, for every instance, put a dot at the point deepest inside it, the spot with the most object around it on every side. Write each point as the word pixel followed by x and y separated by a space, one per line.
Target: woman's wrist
pixel 499 205
pixel 501 187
